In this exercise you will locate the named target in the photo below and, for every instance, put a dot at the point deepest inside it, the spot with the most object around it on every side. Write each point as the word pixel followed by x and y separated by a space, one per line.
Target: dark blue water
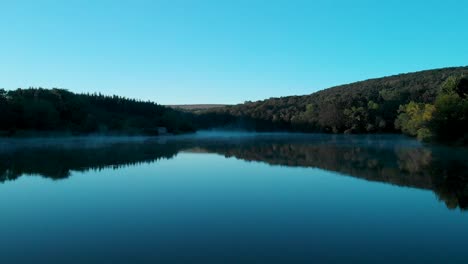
pixel 212 198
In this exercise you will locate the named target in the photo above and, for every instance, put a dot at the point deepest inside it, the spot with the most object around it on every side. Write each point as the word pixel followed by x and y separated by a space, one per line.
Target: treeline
pixel 431 105
pixel 445 120
pixel 58 110
pixel 363 107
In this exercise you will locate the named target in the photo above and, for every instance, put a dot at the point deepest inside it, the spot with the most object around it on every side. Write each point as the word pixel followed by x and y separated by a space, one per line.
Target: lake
pixel 233 198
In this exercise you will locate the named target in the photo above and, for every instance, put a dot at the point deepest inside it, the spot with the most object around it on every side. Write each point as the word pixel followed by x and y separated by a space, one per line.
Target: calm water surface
pixel 233 198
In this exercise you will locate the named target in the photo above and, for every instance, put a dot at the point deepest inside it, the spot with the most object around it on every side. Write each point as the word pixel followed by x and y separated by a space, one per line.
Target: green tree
pixel 413 119
pixel 450 122
pixel 456 86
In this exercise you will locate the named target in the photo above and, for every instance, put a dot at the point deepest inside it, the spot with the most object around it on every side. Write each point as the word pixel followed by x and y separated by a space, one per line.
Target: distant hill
pixel 195 107
pixel 360 107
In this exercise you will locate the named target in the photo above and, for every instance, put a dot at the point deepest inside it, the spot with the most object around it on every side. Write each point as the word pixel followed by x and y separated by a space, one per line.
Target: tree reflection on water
pixel 388 159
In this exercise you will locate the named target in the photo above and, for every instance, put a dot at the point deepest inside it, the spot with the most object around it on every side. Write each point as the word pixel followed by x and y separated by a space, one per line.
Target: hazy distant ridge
pixel 196 106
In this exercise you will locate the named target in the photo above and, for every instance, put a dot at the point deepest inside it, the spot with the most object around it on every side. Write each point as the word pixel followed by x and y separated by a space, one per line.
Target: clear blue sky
pixel 216 51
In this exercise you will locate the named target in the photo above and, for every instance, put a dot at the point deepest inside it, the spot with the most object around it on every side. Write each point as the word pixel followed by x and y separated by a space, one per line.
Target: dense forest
pixel 40 110
pixel 431 105
pixel 364 107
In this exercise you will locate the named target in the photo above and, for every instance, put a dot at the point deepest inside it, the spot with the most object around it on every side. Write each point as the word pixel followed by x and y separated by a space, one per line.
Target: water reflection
pixel 389 159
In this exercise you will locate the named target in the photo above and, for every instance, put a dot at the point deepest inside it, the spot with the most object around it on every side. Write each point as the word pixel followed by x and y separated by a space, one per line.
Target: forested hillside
pixel 431 105
pixel 58 110
pixel 361 107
